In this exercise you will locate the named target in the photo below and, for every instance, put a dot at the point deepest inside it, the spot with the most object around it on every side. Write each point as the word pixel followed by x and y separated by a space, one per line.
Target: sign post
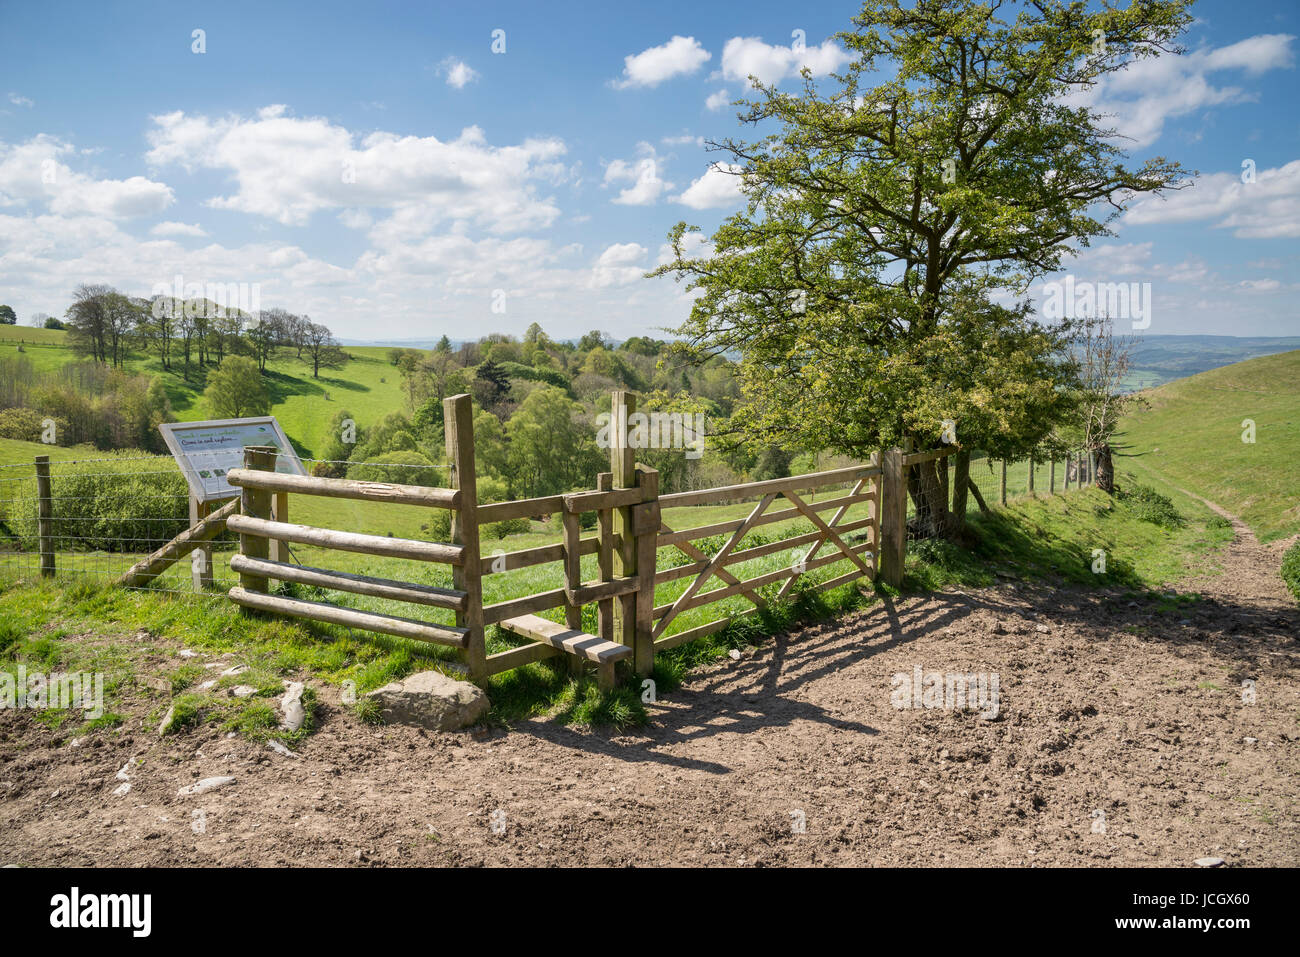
pixel 205 452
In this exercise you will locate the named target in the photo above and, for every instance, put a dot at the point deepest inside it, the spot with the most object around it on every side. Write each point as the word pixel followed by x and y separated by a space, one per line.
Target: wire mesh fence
pixel 101 514
pixel 998 482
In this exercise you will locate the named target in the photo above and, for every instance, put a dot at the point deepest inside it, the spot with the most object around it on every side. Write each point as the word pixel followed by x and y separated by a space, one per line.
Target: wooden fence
pixel 629 533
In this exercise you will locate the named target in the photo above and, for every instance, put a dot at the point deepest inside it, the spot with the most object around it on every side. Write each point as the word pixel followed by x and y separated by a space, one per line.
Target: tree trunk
pixel 932 518
pixel 1104 468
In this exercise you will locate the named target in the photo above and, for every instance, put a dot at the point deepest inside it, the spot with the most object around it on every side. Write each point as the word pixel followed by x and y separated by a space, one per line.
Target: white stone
pixel 204 786
pixel 291 707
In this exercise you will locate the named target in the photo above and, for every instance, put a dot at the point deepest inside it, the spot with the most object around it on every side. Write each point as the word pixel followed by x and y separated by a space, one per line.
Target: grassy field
pixel 367 386
pixel 1191 436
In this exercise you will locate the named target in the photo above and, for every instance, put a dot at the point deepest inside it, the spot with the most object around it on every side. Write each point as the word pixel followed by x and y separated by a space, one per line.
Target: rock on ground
pixel 431 700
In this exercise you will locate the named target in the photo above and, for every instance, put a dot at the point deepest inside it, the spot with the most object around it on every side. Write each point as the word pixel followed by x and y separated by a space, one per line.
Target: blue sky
pixel 379 167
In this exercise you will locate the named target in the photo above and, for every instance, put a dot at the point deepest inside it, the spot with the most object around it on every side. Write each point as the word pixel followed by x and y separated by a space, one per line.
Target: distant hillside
pixel 1161 359
pixel 1192 436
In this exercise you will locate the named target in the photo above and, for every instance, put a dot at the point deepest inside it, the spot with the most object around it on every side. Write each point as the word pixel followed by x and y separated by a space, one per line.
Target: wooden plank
pixel 45 515
pixel 155 564
pixel 254 528
pixel 605 559
pixel 731 493
pixel 681 603
pixel 577 502
pixel 345 488
pixel 979 497
pixel 567 639
pixel 279 513
pixel 759 581
pixel 458 432
pixel 513 658
pixel 821 540
pixel 622 466
pixel 917 458
pixel 520 508
pixel 357 584
pixel 350 617
pixel 768 518
pixel 893 517
pixel 598 590
pixel 572 569
pixel 645 524
pixel 703 562
pixel 526 557
pixel 699 631
pixel 493 614
pixel 831 535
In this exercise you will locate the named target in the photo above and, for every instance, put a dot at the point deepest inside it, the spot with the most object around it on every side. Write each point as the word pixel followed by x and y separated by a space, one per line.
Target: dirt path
pixel 1121 737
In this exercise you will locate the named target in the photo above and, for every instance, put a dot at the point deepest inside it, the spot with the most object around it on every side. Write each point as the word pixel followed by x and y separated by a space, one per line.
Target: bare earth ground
pixel 1106 705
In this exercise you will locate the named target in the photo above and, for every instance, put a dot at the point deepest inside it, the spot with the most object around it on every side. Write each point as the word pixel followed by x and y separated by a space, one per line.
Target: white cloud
pixel 18 100
pixel 743 57
pixel 684 139
pixel 717 101
pixel 458 73
pixel 643 175
pixel 1138 100
pixel 719 186
pixel 1268 208
pixel 649 68
pixel 616 265
pixel 34 172
pixel 177 229
pixel 288 168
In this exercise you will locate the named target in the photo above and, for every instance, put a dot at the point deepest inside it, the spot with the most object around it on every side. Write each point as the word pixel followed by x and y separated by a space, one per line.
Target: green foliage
pixel 7 316
pixel 399 468
pixel 1291 570
pixel 517 370
pixel 236 390
pixel 551 448
pixel 860 284
pixel 28 425
pixel 123 504
pixel 1150 506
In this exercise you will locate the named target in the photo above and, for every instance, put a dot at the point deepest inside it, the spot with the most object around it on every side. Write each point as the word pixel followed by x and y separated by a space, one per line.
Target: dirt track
pixel 1105 706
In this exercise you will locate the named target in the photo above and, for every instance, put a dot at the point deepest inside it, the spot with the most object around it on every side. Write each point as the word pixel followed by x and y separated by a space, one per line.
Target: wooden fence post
pixel 1051 475
pixel 200 575
pixel 622 464
pixel 1031 475
pixel 45 515
pixel 1002 493
pixel 960 483
pixel 458 427
pixel 256 503
pixel 645 526
pixel 893 518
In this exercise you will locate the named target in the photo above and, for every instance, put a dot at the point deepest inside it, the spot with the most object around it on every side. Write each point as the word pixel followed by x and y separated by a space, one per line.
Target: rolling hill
pixel 1192 435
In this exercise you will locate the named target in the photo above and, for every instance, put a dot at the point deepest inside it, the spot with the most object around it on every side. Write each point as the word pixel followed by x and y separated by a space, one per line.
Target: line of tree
pixel 192 334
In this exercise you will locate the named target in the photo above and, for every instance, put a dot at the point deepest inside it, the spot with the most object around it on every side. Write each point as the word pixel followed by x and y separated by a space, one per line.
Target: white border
pixel 168 430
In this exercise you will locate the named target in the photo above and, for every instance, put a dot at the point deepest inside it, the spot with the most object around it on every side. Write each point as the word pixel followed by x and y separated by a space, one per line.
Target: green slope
pixel 367 386
pixel 1191 436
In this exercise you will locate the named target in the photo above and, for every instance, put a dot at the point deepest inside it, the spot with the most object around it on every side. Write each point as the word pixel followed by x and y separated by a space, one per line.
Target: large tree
pixel 235 390
pixel 953 162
